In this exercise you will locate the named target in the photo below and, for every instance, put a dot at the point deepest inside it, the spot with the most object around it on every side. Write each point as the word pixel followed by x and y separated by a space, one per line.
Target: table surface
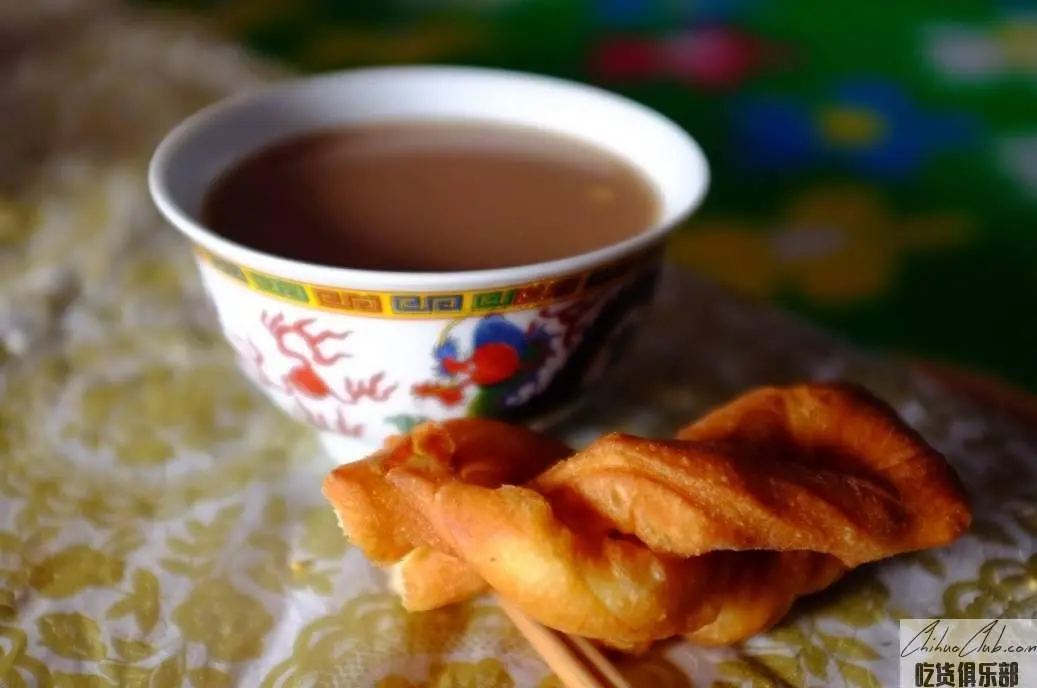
pixel 160 524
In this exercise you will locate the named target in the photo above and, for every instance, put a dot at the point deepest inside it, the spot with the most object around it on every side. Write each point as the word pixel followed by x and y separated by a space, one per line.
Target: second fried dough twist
pixel 713 535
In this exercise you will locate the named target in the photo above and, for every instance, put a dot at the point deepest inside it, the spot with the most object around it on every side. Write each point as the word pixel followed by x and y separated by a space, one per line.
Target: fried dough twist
pixel 712 535
pixel 385 521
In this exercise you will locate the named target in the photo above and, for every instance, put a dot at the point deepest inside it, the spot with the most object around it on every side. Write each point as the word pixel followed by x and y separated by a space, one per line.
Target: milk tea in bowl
pixel 389 246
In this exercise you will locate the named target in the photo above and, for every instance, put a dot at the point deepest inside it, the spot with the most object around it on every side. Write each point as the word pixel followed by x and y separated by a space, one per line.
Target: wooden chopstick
pixel 576 662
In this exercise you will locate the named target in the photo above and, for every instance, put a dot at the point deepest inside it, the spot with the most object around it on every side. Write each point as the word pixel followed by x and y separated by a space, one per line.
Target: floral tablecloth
pixel 161 525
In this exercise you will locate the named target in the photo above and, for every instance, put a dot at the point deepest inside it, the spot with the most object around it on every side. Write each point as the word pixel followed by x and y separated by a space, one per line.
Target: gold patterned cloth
pixel 161 524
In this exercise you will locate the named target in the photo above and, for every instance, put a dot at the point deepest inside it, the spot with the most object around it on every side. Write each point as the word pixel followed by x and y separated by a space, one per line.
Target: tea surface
pixel 420 196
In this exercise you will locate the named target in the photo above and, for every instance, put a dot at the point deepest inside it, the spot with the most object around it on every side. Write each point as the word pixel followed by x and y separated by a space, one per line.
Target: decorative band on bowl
pixel 434 305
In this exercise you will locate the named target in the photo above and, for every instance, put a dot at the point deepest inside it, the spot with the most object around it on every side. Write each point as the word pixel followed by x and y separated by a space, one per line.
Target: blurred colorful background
pixel 875 162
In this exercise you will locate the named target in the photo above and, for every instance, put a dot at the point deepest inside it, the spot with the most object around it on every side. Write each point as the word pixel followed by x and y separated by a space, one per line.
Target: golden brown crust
pixel 427 579
pixel 713 535
pixel 823 468
pixel 385 523
pixel 878 475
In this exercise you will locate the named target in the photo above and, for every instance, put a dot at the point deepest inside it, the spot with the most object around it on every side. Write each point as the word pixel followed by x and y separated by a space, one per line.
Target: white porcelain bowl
pixel 360 355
